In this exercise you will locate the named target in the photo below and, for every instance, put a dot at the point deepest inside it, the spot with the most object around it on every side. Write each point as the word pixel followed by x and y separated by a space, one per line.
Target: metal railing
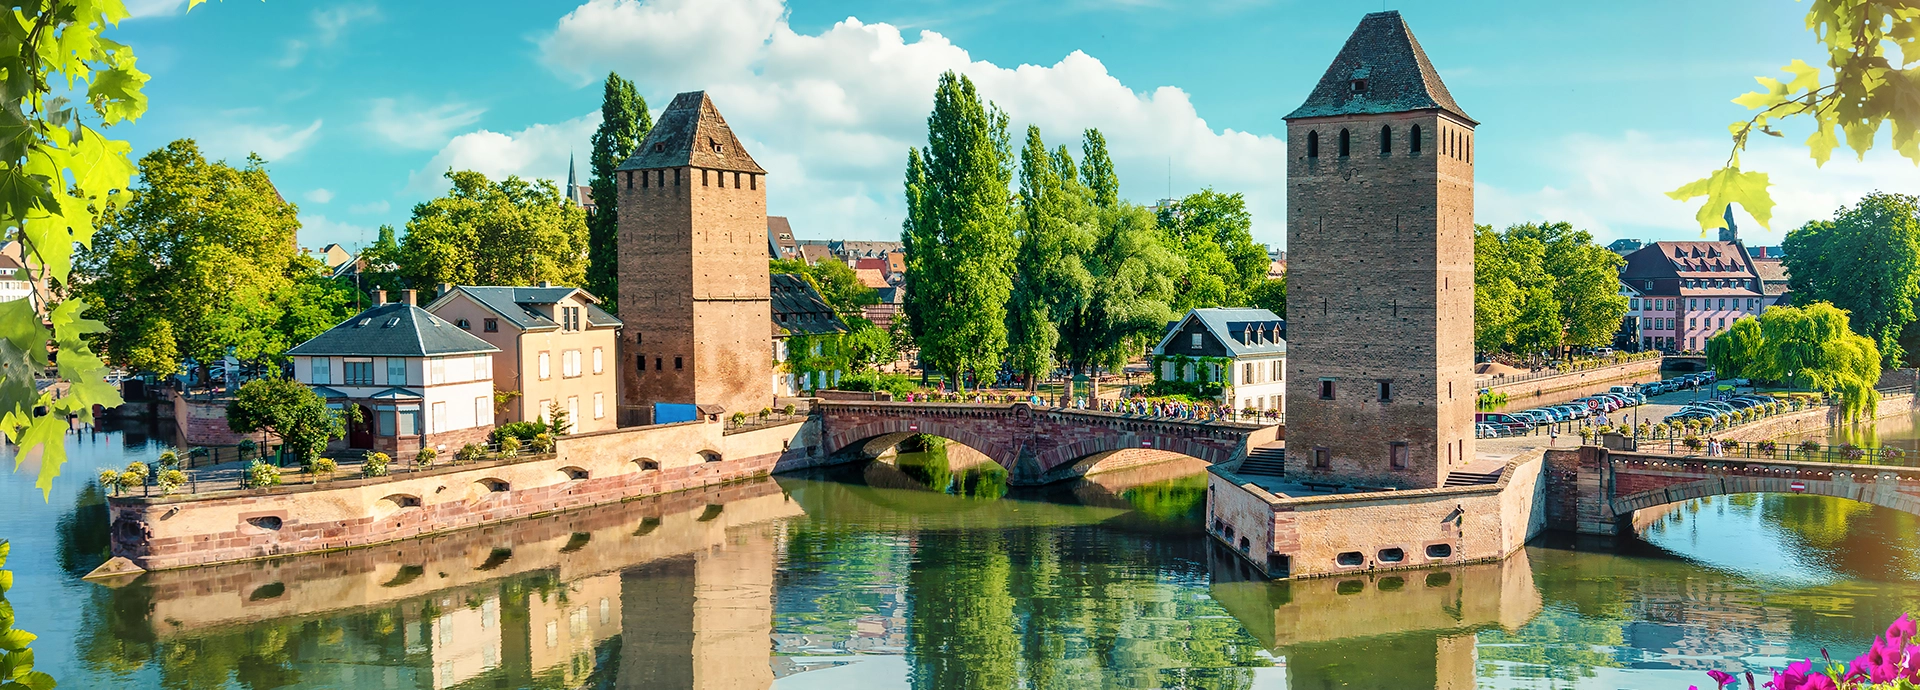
pixel 1573 368
pixel 233 476
pixel 1843 454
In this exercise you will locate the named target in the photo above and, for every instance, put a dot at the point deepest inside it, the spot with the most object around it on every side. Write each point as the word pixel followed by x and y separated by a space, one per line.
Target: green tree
pixel 624 123
pixel 1542 286
pixel 482 232
pixel 1133 275
pixel 1055 229
pixel 1865 261
pixel 195 228
pixel 291 411
pixel 1213 232
pixel 837 283
pixel 1096 170
pixel 1585 282
pixel 380 263
pixel 1497 291
pixel 1271 295
pixel 959 233
pixel 1807 347
pixel 1867 89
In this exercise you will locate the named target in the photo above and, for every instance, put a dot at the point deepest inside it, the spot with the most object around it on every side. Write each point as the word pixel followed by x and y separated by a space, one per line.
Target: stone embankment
pixel 1535 385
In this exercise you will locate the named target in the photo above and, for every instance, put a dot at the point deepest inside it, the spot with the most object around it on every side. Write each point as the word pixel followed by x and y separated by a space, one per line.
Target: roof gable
pixel 1381 69
pixel 516 304
pixel 798 308
pixel 1241 332
pixel 393 330
pixel 691 133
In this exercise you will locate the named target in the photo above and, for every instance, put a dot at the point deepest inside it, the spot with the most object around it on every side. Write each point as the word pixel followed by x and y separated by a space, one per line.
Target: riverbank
pixel 1521 388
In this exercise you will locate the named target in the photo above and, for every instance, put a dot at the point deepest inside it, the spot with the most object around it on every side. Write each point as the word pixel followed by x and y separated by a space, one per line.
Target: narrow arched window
pixel 1313 144
pixel 1413 139
pixel 1386 139
pixel 1346 141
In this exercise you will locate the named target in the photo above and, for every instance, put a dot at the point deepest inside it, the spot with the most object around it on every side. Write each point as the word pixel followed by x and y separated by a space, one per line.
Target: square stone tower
pixel 1380 269
pixel 693 266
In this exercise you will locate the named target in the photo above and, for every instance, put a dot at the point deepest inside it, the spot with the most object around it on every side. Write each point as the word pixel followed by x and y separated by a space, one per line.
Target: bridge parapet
pixel 1595 491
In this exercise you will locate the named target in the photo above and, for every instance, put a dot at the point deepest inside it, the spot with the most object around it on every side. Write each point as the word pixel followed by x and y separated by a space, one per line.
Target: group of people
pixel 1142 407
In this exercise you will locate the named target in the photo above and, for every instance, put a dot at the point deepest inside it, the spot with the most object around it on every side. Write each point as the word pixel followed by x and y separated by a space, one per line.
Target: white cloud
pixel 831 115
pixel 1616 185
pixel 328 25
pixel 417 128
pixel 539 151
pixel 375 207
pixel 319 196
pixel 318 231
pixel 234 140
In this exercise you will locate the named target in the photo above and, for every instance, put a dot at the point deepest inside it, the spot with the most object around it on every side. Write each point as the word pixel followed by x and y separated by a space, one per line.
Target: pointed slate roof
pixel 1398 78
pixel 691 133
pixel 393 330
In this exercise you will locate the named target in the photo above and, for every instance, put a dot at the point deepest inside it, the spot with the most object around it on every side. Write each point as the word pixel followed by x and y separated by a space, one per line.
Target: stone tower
pixel 1380 269
pixel 693 266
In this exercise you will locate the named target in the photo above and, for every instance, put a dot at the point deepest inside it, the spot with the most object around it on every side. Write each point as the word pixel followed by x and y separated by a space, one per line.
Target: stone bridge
pixel 1036 444
pixel 1593 490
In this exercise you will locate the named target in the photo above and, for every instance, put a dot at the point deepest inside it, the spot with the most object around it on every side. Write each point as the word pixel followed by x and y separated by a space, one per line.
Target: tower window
pixel 676 363
pixel 753 181
pixel 1386 391
pixel 629 179
pixel 1326 389
pixel 643 180
pixel 1345 141
pixel 1413 139
pixel 1397 455
pixel 703 178
pixel 642 360
pixel 1359 86
pixel 1313 144
pixel 1386 139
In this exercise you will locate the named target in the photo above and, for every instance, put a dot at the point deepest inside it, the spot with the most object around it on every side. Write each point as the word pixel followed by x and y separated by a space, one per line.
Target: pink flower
pixel 1721 678
pixel 1903 628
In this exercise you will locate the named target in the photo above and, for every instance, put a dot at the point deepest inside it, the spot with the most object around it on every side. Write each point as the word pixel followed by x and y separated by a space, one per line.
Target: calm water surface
pixel 928 574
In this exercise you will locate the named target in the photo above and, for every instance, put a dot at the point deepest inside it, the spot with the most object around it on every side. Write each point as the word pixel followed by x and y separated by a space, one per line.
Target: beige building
pixel 556 347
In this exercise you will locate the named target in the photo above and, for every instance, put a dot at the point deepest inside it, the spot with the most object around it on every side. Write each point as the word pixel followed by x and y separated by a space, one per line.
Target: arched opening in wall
pixel 1313 144
pixel 271 590
pixel 1160 484
pixel 270 523
pixel 487 488
pixel 1386 139
pixel 713 511
pixel 1413 139
pixel 1439 551
pixel 395 503
pixel 572 474
pixel 924 462
pixel 1346 143
pixel 707 456
pixel 1392 555
pixel 1350 559
pixel 647 526
pixel 646 465
pixel 576 542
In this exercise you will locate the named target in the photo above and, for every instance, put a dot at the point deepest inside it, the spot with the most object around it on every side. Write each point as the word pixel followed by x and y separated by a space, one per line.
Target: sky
pixel 1589 111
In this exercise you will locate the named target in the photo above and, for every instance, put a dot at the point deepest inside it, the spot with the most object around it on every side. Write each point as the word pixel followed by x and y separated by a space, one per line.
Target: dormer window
pixel 714 144
pixel 1359 86
pixel 657 148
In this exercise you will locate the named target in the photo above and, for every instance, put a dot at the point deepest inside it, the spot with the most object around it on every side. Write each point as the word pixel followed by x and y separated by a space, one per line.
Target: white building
pixel 418 380
pixel 1244 351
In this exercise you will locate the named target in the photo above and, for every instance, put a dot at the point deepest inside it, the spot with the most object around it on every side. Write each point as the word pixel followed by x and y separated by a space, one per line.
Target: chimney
pixel 407 296
pixel 379 297
pixel 546 283
pixel 445 288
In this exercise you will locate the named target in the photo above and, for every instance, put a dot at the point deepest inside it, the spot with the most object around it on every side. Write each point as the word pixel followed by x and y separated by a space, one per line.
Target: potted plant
pixel 1809 446
pixel 170 481
pixel 510 446
pixel 260 475
pixel 1766 447
pixel 1692 442
pixel 469 453
pixel 375 465
pixel 425 457
pixel 543 443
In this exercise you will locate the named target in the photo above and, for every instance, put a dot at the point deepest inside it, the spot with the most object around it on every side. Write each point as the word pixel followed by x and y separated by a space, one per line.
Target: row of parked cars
pixel 1678 383
pixel 1709 409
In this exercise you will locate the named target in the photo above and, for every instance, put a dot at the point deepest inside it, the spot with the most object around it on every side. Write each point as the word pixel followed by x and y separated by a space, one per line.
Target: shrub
pixel 1730 445
pixel 1692 442
pixel 469 453
pixel 543 443
pixel 170 481
pixel 1767 447
pixel 170 459
pixel 425 457
pixel 766 412
pixel 261 475
pixel 788 410
pixel 738 418
pixel 322 466
pixel 510 446
pixel 897 384
pixel 376 465
pixel 1809 446
pixel 524 431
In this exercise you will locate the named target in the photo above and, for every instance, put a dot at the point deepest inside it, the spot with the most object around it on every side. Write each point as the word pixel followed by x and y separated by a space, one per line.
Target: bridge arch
pixel 1103 452
pixel 1865 490
pixel 874 438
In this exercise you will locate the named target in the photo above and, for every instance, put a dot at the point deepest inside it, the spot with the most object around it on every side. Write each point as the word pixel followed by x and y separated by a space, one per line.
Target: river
pixel 917 574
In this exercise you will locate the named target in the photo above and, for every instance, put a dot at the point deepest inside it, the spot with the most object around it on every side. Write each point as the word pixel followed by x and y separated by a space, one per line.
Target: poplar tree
pixel 1096 169
pixel 1050 283
pixel 959 233
pixel 624 123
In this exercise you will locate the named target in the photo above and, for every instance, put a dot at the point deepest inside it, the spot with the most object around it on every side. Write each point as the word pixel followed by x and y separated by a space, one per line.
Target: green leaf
pixel 1724 186
pixel 15 640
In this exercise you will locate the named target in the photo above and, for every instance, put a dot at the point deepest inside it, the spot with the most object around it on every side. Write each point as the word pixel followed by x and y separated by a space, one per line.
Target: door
pixel 360 433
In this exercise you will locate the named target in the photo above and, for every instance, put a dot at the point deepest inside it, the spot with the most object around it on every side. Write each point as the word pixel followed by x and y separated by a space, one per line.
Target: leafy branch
pixel 1867 91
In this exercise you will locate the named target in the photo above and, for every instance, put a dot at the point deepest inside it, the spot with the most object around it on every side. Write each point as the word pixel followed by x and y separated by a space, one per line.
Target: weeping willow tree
pixel 1808 347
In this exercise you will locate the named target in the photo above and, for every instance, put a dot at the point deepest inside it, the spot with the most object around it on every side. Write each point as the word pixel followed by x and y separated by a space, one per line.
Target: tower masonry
pixel 693 266
pixel 1380 387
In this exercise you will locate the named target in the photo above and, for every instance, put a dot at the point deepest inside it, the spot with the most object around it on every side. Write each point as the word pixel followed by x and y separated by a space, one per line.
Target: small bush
pixel 469 453
pixel 1693 443
pixel 543 443
pixel 738 418
pixel 510 446
pixel 1809 446
pixel 261 475
pixel 110 480
pixel 788 410
pixel 425 457
pixel 170 459
pixel 1767 446
pixel 376 465
pixel 1730 445
pixel 170 481
pixel 322 466
pixel 524 431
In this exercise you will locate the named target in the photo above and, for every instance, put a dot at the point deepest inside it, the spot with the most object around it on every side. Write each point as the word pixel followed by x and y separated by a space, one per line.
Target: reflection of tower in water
pixel 702 620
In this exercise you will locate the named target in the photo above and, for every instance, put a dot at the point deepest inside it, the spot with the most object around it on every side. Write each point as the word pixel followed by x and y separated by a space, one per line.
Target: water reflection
pixel 908 574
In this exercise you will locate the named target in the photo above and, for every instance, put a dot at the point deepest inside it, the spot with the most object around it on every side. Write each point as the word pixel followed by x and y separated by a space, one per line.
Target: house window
pixel 1322 457
pixel 596 361
pixel 396 371
pixel 439 417
pixel 438 370
pixel 1326 389
pixel 676 363
pixel 359 373
pixel 322 370
pixel 1246 373
pixel 483 367
pixel 490 325
pixel 642 359
pixel 570 363
pixel 482 411
pixel 541 411
pixel 409 422
pixel 1386 391
pixel 546 366
pixel 573 411
pixel 386 422
pixel 464 325
pixel 1359 86
pixel 1693 303
pixel 1196 341
pixel 1634 304
pixel 1397 454
pixel 599 405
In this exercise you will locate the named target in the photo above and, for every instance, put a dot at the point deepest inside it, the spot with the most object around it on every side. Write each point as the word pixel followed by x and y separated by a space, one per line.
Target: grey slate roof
pixel 393 330
pixel 691 133
pixel 1382 51
pixel 799 309
pixel 1232 326
pixel 515 304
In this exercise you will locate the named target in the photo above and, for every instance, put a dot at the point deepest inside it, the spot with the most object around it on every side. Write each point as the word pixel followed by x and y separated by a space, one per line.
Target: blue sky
pixel 1589 110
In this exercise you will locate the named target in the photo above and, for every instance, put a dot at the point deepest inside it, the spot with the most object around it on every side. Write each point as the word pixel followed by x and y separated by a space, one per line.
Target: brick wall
pixel 1380 284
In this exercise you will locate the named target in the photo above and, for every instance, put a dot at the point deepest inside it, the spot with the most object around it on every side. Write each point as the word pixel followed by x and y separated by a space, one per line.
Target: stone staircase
pixel 1271 462
pixel 1464 478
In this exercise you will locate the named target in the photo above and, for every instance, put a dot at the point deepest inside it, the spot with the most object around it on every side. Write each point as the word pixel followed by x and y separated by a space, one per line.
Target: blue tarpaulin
pixel 669 413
